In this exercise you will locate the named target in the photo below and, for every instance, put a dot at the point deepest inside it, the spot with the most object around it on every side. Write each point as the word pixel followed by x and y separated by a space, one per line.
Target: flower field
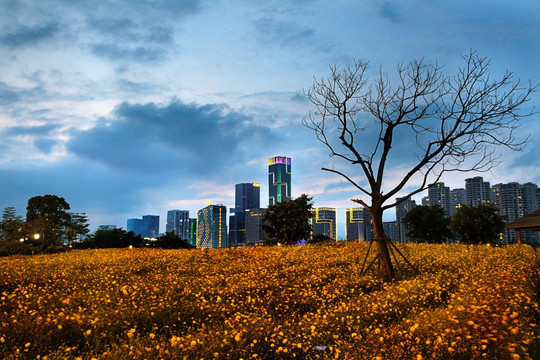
pixel 305 302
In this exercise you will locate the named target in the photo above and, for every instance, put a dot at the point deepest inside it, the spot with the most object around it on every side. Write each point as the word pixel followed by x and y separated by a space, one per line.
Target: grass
pixel 270 302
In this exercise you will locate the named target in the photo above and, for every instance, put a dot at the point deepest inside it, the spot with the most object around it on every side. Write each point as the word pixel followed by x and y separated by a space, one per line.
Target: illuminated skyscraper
pixel 212 227
pixel 324 222
pixel 178 223
pixel 438 194
pixel 247 196
pixel 192 232
pixel 279 179
pixel 478 191
pixel 358 225
pixel 254 234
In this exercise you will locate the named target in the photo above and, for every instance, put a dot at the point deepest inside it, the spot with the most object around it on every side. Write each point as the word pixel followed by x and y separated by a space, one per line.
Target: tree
pixel 170 240
pixel 11 230
pixel 431 122
pixel 116 238
pixel 288 222
pixel 477 225
pixel 78 227
pixel 427 224
pixel 47 219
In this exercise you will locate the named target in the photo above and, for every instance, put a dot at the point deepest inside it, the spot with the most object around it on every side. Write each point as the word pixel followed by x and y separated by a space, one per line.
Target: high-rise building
pixel 438 194
pixel 324 222
pixel 529 191
pixel 458 197
pixel 477 191
pixel 192 232
pixel 391 229
pixel 147 227
pixel 212 227
pixel 247 196
pixel 507 198
pixel 255 235
pixel 279 179
pixel 358 225
pixel 178 223
pixel 402 209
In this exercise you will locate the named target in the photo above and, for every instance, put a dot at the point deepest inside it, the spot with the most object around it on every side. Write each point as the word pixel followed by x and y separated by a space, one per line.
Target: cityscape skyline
pixel 126 108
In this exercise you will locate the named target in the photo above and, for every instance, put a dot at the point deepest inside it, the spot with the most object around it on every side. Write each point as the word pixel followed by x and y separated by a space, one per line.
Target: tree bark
pixel 382 242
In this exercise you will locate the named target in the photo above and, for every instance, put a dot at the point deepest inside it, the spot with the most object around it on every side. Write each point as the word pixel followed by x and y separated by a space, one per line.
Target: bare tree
pixel 456 122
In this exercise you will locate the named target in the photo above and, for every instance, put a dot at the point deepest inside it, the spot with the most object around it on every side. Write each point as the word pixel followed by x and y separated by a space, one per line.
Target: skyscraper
pixel 279 179
pixel 178 223
pixel 212 227
pixel 358 225
pixel 254 234
pixel 324 222
pixel 247 196
pixel 458 197
pixel 440 195
pixel 147 227
pixel 192 232
pixel 478 191
pixel 401 210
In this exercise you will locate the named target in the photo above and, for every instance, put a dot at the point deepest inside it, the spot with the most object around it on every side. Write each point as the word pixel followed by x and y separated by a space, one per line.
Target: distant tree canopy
pixel 288 222
pixel 170 240
pixel 427 224
pixel 78 227
pixel 477 225
pixel 47 219
pixel 115 238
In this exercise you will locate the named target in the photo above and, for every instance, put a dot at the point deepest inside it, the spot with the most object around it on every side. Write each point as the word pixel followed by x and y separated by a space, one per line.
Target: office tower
pixel 529 191
pixel 254 234
pixel 212 227
pixel 391 229
pixel 458 197
pixel 178 223
pixel 192 232
pixel 247 196
pixel 358 225
pixel 279 179
pixel 438 194
pixel 508 200
pixel 477 191
pixel 147 227
pixel 401 210
pixel 324 222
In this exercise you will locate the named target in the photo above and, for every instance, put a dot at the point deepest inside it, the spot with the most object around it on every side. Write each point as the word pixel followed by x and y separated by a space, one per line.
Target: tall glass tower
pixel 248 196
pixel 279 179
pixel 178 223
pixel 212 227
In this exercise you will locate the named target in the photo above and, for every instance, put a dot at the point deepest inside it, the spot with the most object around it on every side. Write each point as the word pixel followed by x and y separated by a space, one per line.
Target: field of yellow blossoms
pixel 306 302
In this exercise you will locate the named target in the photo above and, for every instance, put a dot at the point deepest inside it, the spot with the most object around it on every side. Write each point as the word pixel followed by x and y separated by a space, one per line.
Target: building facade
pixel 254 233
pixel 192 233
pixel 247 196
pixel 405 205
pixel 178 223
pixel 279 179
pixel 358 225
pixel 477 191
pixel 324 222
pixel 212 227
pixel 147 227
pixel 438 194
pixel 458 198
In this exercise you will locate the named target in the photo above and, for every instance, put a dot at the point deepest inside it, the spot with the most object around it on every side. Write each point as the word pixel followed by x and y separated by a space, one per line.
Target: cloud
pixel 29 35
pixel 141 54
pixel 282 33
pixel 390 11
pixel 41 130
pixel 172 138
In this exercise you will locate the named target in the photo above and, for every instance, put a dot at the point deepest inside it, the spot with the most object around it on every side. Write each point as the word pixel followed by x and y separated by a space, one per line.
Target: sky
pixel 129 108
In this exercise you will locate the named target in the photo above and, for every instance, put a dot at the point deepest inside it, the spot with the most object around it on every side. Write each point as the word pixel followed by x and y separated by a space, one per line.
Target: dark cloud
pixel 29 35
pixel 137 53
pixel 171 138
pixel 46 129
pixel 281 33
pixel 390 11
pixel 10 94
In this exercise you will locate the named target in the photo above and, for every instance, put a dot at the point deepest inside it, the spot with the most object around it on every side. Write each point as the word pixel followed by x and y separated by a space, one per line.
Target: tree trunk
pixel 382 243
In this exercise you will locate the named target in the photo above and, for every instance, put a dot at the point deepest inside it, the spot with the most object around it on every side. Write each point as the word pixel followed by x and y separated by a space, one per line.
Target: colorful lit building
pixel 279 179
pixel 324 222
pixel 358 226
pixel 212 227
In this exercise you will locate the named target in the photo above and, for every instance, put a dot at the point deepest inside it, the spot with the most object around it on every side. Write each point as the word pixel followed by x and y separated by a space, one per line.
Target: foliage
pixel 11 231
pixel 477 225
pixel 46 216
pixel 427 224
pixel 320 238
pixel 445 123
pixel 78 227
pixel 288 222
pixel 114 238
pixel 170 240
pixel 304 302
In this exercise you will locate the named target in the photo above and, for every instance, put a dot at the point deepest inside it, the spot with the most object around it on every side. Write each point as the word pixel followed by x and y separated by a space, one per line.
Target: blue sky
pixel 126 108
